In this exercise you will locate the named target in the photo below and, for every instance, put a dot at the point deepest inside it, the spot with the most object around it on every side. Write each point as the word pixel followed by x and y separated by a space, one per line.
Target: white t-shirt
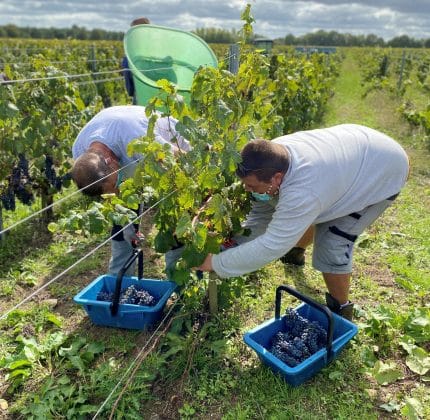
pixel 333 172
pixel 117 126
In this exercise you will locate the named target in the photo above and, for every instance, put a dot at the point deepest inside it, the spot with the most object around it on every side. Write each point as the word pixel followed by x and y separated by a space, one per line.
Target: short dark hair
pixel 140 21
pixel 89 168
pixel 264 159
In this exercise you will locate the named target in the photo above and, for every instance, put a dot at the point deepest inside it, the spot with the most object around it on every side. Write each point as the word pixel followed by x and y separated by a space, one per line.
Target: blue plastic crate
pixel 129 316
pixel 260 337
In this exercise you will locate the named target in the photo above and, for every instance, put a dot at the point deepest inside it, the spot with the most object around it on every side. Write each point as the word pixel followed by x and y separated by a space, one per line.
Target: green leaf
pixel 418 361
pixel 77 362
pixel 53 227
pixel 386 373
pixel 200 235
pixel 54 319
pixel 24 373
pixel 390 406
pixel 19 363
pixel 368 356
pixel 132 201
pixel 183 226
pixel 192 256
pixel 31 353
pixel 164 241
pixel 336 375
pixel 217 209
pixel 74 347
pixel 213 244
pixel 180 276
pixel 413 409
pixel 96 348
pixel 63 380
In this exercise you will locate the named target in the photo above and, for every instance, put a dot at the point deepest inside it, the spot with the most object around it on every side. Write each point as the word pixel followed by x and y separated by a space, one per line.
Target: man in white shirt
pixel 328 185
pixel 100 149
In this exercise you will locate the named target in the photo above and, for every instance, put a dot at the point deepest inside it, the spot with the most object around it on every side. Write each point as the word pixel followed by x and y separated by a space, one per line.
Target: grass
pixel 202 368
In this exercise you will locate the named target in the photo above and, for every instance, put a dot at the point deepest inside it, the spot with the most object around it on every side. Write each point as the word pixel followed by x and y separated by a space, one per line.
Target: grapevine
pixel 41 119
pixel 226 111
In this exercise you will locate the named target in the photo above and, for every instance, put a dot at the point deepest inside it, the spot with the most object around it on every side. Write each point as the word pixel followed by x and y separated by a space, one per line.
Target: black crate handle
pixel 326 311
pixel 115 300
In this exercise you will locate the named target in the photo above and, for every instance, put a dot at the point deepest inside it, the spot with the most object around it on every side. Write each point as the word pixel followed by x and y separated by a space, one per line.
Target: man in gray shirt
pixel 326 185
pixel 102 162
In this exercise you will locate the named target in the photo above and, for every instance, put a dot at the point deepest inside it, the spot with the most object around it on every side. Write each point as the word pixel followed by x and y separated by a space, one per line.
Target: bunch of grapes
pixel 19 185
pixel 51 175
pixel 131 296
pixel 23 165
pixel 300 339
pixel 24 194
pixel 104 296
pixel 7 198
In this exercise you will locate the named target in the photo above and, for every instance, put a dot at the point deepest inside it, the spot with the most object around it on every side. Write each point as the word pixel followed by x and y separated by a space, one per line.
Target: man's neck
pixel 97 146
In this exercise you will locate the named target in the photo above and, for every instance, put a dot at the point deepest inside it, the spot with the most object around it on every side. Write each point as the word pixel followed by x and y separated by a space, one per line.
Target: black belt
pixel 338 232
pixel 358 215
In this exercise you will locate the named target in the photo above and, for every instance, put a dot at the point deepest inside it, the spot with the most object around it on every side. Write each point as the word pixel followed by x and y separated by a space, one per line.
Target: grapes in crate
pixel 299 340
pixel 104 296
pixel 131 296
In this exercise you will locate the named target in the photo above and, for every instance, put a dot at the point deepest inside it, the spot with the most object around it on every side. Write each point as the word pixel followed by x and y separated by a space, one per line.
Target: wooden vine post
pixel 213 293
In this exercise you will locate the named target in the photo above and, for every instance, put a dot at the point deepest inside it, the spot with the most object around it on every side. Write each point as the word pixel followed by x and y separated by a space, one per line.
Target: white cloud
pixel 274 18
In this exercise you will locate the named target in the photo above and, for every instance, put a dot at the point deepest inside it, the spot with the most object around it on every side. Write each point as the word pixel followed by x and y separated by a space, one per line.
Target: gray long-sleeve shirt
pixel 117 126
pixel 333 172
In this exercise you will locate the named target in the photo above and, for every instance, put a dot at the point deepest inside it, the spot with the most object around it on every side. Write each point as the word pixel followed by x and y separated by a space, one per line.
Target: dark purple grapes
pixel 24 194
pixel 15 178
pixel 104 296
pixel 7 198
pixel 19 186
pixel 300 339
pixel 23 165
pixel 51 175
pixel 131 296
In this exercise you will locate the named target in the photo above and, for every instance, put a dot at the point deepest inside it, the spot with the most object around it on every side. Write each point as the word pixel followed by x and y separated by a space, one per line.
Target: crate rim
pixel 126 307
pixel 263 352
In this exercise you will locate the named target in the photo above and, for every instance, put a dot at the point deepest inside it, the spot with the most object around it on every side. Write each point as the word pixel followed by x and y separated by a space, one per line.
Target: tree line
pixel 336 39
pixel 75 32
pixel 221 36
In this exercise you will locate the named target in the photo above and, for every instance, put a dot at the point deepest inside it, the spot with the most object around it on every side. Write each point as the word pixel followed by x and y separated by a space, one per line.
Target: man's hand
pixel 228 243
pixel 206 265
pixel 133 237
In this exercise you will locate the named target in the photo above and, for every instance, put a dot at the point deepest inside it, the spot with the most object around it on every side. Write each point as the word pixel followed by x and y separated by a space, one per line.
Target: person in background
pixel 128 76
pixel 101 149
pixel 324 186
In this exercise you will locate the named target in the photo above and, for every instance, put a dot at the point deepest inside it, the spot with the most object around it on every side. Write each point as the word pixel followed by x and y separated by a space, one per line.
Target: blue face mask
pixel 118 179
pixel 261 197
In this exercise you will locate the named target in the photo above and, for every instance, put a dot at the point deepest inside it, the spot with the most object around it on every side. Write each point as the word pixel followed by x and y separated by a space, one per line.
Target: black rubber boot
pixel 295 256
pixel 345 311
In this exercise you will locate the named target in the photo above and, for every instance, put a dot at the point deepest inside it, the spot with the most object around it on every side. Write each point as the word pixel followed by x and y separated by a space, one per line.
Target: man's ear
pixel 277 178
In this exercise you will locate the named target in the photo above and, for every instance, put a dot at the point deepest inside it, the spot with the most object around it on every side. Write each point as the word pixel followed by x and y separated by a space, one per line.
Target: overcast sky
pixel 274 18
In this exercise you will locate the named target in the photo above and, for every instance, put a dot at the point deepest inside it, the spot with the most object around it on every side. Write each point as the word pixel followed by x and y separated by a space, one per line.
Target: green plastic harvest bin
pixel 157 52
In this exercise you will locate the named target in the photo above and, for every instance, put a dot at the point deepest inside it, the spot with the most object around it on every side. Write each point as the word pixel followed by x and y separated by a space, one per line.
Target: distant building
pixel 263 44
